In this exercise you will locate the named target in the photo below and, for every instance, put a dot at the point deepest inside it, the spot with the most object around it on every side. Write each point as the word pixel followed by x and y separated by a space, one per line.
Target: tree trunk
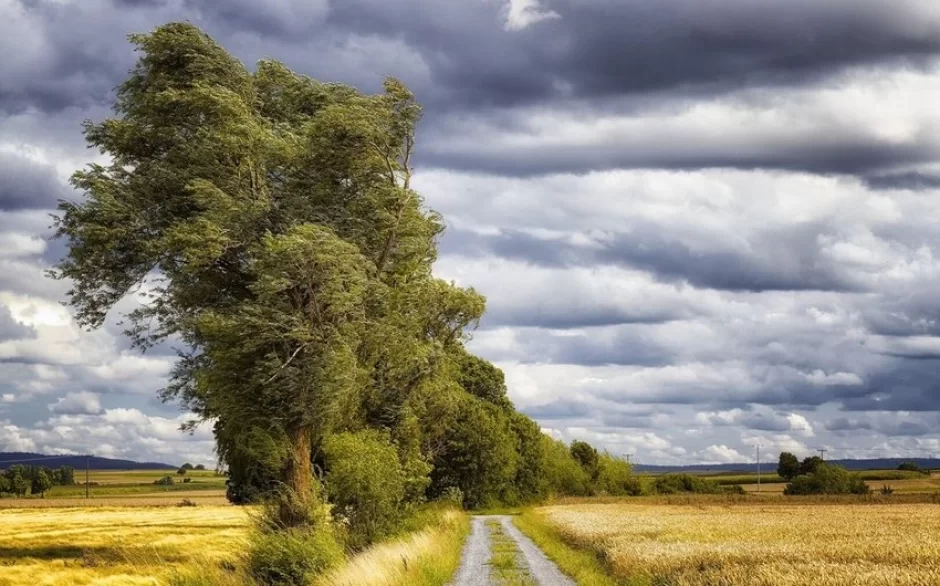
pixel 298 480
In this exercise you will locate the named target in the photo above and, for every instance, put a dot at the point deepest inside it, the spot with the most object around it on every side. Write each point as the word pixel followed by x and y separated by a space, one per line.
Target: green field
pixel 116 483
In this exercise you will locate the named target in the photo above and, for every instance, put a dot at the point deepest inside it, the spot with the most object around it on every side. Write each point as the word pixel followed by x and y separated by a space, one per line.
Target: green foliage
pixel 165 481
pixel 827 479
pixel 585 454
pixel 809 465
pixel 366 485
pixel 679 483
pixel 788 466
pixel 482 380
pixel 200 467
pixel 41 483
pixel 186 466
pixel 530 483
pixel 477 454
pixel 912 467
pixel 293 557
pixel 182 471
pixel 273 218
pixel 615 477
pixel 17 479
pixel 563 473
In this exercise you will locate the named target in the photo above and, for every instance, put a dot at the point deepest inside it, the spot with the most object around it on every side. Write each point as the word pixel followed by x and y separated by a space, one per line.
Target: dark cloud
pixel 788 260
pixel 25 184
pixel 10 329
pixel 911 180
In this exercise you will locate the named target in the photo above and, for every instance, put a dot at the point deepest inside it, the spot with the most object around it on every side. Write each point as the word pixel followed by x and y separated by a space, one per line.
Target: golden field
pixel 759 544
pixel 115 546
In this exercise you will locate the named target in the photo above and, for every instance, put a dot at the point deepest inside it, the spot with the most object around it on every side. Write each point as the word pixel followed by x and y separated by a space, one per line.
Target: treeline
pixel 20 480
pixel 813 475
pixel 294 261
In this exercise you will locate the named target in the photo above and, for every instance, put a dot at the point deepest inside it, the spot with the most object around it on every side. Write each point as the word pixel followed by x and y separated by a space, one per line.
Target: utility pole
pixel 822 453
pixel 758 467
pixel 86 476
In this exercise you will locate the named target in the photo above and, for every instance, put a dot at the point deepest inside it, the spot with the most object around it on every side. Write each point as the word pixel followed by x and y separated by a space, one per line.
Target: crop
pixel 115 545
pixel 755 544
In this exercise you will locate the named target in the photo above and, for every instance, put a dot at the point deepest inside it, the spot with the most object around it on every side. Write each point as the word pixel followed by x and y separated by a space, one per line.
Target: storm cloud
pixel 700 226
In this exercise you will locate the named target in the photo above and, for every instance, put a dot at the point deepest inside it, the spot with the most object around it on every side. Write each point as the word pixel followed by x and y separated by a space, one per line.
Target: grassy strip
pixel 428 557
pixel 584 566
pixel 505 569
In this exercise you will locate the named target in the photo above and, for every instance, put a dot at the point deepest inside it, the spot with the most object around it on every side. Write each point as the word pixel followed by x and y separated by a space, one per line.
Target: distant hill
pixel 872 464
pixel 8 459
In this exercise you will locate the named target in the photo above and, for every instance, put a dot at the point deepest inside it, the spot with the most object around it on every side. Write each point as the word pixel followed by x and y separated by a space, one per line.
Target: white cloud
pixel 84 403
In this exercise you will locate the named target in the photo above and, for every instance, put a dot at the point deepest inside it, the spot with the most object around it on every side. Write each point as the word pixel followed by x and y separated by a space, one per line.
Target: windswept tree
pixel 271 223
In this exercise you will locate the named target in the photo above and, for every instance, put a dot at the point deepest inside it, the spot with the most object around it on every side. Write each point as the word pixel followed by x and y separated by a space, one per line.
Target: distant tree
pixel 182 471
pixel 586 456
pixel 186 466
pixel 809 465
pixel 64 476
pixel 788 466
pixel 911 467
pixel 17 476
pixel 530 483
pixel 165 481
pixel 827 479
pixel 42 482
pixel 200 467
pixel 4 485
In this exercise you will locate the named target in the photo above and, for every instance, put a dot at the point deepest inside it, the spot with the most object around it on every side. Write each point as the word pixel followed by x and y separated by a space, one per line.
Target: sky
pixel 701 225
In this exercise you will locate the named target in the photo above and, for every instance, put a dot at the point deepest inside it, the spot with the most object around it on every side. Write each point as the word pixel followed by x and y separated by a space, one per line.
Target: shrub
pixel 911 467
pixel 292 557
pixel 365 483
pixel 615 477
pixel 165 481
pixel 452 494
pixel 677 483
pixel 827 479
pixel 564 474
pixel 187 480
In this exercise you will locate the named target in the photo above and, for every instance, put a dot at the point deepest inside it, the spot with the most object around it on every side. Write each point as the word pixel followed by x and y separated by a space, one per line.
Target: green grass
pixel 505 569
pixel 134 482
pixel 584 566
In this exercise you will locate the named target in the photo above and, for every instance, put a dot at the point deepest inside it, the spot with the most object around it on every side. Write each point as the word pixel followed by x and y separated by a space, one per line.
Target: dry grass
pixel 423 558
pixel 759 545
pixel 112 546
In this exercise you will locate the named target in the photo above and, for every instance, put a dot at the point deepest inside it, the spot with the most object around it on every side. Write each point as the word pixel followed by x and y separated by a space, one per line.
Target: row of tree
pixel 273 218
pixel 20 480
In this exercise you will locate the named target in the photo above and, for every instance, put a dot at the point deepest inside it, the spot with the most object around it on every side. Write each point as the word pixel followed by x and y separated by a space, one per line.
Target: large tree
pixel 271 223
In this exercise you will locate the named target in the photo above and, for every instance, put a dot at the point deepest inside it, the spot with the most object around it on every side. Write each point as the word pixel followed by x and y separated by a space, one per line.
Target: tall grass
pixel 424 557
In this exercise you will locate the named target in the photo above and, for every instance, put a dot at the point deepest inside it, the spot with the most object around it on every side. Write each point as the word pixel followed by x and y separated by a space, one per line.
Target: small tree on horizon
pixel 788 467
pixel 42 482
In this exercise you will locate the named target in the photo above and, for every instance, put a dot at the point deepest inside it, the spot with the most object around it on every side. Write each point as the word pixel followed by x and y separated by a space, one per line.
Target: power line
pixel 41 459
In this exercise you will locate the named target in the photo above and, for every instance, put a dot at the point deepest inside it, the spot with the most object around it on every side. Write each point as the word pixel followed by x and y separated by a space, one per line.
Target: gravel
pixel 474 566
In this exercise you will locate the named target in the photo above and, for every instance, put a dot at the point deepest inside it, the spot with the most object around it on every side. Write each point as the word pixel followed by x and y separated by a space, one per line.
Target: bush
pixel 292 557
pixel 911 467
pixel 187 480
pixel 615 477
pixel 165 481
pixel 564 474
pixel 678 483
pixel 827 479
pixel 365 483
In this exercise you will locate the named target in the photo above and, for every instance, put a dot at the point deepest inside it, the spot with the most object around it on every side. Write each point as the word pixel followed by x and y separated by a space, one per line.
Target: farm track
pixel 531 565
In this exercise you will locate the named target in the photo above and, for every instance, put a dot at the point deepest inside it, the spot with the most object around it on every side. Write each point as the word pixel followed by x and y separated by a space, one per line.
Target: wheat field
pixel 759 545
pixel 115 546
